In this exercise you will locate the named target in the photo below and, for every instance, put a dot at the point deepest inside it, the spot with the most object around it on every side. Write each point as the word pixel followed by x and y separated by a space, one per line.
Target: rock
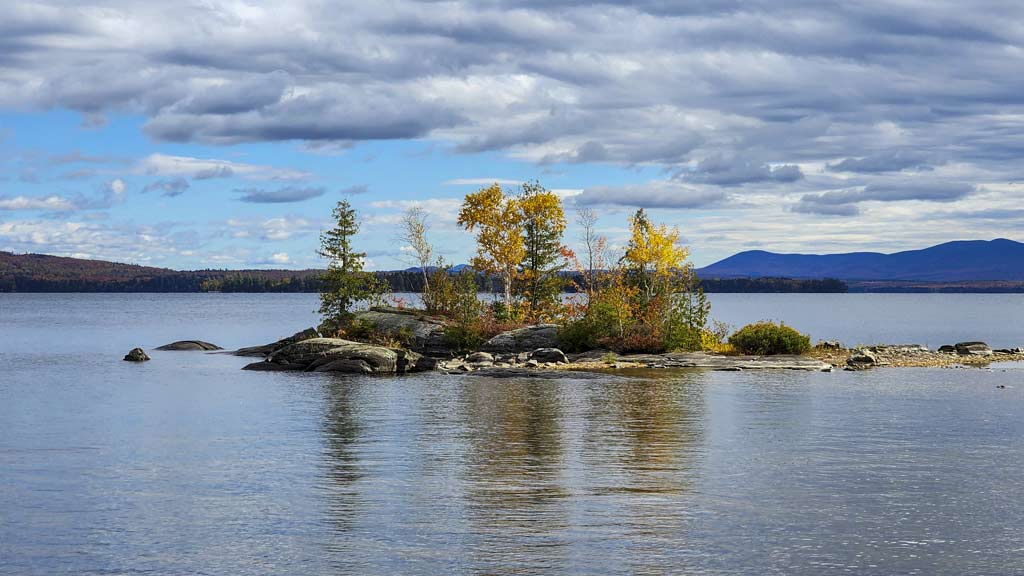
pixel 947 349
pixel 419 333
pixel 1010 351
pixel 532 364
pixel 900 349
pixel 183 345
pixel 594 356
pixel 268 349
pixel 523 339
pixel 973 349
pixel 479 357
pixel 862 360
pixel 337 355
pixel 720 362
pixel 549 355
pixel 136 355
pixel 829 345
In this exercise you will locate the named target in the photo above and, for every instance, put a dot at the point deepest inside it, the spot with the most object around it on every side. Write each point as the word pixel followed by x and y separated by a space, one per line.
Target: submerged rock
pixel 189 345
pixel 973 349
pixel 523 339
pixel 268 349
pixel 337 355
pixel 136 355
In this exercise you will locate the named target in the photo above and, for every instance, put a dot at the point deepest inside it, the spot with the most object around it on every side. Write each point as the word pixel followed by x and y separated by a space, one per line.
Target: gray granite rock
pixel 136 355
pixel 973 349
pixel 188 345
pixel 523 340
pixel 416 331
pixel 268 349
pixel 337 355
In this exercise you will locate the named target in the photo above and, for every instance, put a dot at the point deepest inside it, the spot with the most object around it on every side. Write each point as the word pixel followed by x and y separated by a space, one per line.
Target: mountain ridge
pixel 1000 259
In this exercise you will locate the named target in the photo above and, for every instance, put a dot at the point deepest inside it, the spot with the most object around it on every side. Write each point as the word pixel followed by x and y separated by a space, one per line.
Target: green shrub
pixel 686 319
pixel 465 332
pixel 766 338
pixel 588 332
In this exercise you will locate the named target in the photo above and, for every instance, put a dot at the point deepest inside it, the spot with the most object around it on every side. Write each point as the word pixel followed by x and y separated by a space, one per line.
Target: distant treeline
pixel 39 273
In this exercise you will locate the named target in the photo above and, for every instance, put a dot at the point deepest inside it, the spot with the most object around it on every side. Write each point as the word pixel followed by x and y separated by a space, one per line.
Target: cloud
pixel 882 162
pixel 275 259
pixel 205 169
pixel 169 187
pixel 110 194
pixel 272 229
pixel 934 191
pixel 726 171
pixel 48 203
pixel 81 239
pixel 658 194
pixel 354 190
pixel 278 196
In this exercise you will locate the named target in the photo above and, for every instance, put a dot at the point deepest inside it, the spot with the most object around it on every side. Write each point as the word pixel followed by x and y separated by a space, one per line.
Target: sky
pixel 219 134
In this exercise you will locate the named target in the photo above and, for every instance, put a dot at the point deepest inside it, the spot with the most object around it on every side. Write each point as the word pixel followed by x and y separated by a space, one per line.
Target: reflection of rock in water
pixel 517 501
pixel 341 431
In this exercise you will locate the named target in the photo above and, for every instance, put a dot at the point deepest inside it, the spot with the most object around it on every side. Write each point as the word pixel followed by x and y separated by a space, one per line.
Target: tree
pixel 594 246
pixel 543 222
pixel 414 235
pixel 497 222
pixel 653 255
pixel 345 282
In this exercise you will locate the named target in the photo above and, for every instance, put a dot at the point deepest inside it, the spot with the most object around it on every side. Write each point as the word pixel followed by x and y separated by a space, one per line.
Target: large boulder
pixel 183 345
pixel 268 349
pixel 337 355
pixel 525 339
pixel 973 349
pixel 419 333
pixel 136 355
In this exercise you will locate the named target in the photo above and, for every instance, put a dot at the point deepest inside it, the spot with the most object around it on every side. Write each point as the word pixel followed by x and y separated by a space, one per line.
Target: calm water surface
pixel 188 465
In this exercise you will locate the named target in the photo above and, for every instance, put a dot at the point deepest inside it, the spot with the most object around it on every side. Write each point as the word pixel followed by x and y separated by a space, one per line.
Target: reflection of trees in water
pixel 639 457
pixel 341 432
pixel 516 497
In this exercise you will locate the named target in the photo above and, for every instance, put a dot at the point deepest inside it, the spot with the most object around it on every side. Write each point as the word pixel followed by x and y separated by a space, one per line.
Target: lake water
pixel 188 465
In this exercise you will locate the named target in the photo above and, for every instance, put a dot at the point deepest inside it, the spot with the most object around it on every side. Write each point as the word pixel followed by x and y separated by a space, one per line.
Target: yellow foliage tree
pixel 498 223
pixel 653 253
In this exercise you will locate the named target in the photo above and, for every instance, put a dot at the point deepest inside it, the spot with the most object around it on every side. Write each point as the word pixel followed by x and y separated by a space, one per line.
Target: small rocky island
pixel 536 348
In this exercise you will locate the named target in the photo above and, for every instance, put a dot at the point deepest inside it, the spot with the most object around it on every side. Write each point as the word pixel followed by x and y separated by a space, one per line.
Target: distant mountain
pixel 961 261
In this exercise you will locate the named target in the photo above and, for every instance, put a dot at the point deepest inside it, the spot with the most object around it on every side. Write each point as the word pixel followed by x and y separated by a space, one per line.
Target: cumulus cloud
pixel 50 203
pixel 278 196
pixel 273 229
pixel 110 193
